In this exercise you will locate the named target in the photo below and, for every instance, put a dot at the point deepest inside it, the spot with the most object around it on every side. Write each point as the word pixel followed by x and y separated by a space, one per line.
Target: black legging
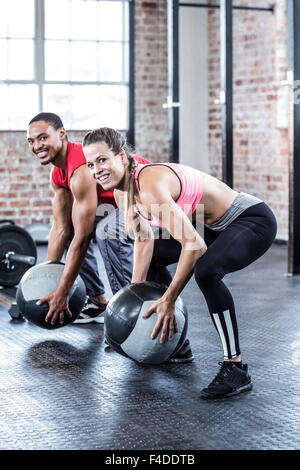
pixel 246 239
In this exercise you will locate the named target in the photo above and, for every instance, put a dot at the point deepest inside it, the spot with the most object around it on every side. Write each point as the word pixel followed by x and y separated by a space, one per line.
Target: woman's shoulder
pixel 157 183
pixel 153 173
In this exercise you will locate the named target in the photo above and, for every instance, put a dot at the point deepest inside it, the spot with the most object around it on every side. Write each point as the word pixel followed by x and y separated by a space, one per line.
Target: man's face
pixel 44 141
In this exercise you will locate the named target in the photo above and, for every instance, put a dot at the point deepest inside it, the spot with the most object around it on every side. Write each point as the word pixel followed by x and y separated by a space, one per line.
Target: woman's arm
pixel 156 194
pixel 193 246
pixel 143 243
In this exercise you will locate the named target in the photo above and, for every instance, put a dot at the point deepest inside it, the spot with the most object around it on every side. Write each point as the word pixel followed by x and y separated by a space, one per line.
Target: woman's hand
pixel 166 319
pixel 58 306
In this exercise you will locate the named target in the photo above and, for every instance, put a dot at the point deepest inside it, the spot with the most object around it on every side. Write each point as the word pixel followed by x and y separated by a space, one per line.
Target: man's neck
pixel 61 158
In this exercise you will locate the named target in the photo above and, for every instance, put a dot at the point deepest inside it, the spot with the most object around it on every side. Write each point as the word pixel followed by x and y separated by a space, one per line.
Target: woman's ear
pixel 123 156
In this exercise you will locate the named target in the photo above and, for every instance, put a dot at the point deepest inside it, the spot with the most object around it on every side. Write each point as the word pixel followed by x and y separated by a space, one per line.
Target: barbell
pixel 17 253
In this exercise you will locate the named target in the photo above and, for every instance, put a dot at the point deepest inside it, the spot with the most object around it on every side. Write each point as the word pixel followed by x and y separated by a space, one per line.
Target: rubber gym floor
pixel 62 390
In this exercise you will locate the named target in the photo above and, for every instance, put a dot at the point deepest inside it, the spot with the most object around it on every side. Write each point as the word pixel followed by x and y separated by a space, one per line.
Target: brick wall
pixel 260 112
pixel 25 195
pixel 260 105
pixel 151 75
pixel 24 186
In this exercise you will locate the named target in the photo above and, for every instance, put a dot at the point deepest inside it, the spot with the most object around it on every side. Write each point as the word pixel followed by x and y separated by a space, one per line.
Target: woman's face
pixel 107 168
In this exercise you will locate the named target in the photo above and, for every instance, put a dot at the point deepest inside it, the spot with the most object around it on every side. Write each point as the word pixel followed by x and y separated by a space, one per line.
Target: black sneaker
pixel 183 355
pixel 92 312
pixel 230 380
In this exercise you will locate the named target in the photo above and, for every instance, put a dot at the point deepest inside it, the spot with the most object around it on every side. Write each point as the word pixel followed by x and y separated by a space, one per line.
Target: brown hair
pixel 116 142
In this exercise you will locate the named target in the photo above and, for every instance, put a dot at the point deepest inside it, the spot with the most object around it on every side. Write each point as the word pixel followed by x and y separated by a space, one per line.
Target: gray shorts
pixel 116 249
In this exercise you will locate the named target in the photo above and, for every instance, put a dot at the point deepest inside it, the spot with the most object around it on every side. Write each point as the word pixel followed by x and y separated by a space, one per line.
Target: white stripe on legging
pixel 220 330
pixel 229 332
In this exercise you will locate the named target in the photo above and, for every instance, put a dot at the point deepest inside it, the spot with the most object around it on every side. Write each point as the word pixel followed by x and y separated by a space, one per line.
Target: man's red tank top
pixel 74 159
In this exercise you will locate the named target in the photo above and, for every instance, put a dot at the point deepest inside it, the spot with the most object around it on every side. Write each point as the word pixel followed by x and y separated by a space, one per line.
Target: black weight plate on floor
pixel 14 238
pixel 7 221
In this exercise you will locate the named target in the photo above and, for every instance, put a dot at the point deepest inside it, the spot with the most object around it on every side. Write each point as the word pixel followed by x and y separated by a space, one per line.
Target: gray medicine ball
pixel 38 282
pixel 128 333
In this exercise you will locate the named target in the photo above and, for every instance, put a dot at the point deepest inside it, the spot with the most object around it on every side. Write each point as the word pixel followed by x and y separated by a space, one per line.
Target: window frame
pixel 39 67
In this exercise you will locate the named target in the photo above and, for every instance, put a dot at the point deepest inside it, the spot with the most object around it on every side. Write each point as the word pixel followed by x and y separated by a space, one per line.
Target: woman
pixel 239 228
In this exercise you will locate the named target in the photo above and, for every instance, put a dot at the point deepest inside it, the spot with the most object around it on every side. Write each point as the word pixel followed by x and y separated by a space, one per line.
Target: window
pixel 70 57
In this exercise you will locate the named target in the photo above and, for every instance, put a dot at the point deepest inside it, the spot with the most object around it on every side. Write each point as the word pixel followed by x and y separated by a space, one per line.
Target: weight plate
pixel 16 239
pixel 7 221
pixel 39 232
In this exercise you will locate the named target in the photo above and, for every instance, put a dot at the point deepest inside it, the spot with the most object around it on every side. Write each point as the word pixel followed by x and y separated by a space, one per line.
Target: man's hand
pixel 166 319
pixel 58 307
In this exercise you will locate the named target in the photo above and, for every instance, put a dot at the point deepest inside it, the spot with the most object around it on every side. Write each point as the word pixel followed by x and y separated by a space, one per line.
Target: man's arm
pixel 142 256
pixel 84 189
pixel 61 229
pixel 84 208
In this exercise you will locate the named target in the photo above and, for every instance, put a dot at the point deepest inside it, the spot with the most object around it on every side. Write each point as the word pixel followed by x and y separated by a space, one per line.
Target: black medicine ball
pixel 129 333
pixel 41 280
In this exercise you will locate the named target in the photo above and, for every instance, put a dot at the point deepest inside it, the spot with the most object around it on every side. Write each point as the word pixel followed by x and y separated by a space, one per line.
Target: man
pixel 77 198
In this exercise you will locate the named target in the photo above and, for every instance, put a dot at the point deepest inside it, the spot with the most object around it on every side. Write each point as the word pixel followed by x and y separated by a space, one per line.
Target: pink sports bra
pixel 191 187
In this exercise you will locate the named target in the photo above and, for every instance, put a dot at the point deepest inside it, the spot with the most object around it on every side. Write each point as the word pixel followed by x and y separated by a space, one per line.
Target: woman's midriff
pixel 216 199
